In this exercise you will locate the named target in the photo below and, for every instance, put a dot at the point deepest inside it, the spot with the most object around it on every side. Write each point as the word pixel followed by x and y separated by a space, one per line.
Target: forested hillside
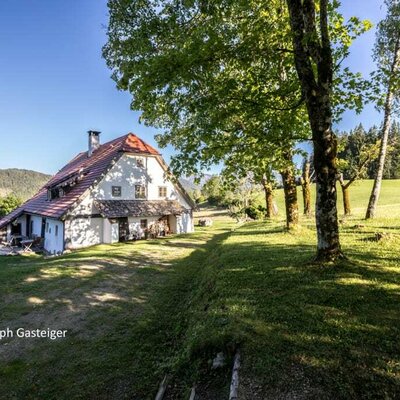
pixel 21 182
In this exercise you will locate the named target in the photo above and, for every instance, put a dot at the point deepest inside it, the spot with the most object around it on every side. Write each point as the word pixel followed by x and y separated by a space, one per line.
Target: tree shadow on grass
pixel 340 324
pixel 306 331
pixel 122 310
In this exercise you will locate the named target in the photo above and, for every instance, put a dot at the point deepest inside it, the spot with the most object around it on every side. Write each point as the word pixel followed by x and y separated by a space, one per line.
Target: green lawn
pixel 389 201
pixel 135 312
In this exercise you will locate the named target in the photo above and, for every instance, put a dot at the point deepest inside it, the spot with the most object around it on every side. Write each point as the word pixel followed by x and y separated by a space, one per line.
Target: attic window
pixel 64 185
pixel 55 193
pixel 140 162
pixel 116 191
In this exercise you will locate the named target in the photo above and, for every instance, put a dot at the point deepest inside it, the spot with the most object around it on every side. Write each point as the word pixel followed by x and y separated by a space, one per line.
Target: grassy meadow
pixel 137 311
pixel 389 202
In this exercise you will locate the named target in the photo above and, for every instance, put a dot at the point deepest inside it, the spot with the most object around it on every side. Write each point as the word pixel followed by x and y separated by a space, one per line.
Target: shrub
pixel 254 213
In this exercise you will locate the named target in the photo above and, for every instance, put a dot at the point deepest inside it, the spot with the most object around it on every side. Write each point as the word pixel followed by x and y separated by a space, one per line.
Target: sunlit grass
pixel 138 311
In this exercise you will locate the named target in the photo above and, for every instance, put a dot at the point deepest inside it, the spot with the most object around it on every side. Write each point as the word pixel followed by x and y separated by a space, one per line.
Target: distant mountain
pixel 188 182
pixel 22 183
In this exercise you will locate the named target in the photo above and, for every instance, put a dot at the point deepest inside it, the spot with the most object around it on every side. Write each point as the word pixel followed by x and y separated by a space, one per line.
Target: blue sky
pixel 55 85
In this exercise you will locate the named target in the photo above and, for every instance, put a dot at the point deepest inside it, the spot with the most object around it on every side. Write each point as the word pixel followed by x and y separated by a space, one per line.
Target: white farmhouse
pixel 110 193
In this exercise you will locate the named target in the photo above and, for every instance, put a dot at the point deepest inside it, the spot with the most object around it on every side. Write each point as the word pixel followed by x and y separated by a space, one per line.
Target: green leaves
pixel 8 204
pixel 357 150
pixel 219 78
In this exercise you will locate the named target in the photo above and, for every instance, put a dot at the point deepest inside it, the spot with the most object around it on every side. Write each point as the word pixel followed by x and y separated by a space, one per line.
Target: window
pixel 143 223
pixel 140 162
pixel 56 232
pixel 47 227
pixel 116 191
pixel 162 191
pixel 56 192
pixel 140 192
pixel 53 193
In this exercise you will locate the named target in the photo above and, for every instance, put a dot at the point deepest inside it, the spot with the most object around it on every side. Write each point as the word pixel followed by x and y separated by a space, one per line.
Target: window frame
pixel 114 189
pixel 140 162
pixel 144 196
pixel 160 189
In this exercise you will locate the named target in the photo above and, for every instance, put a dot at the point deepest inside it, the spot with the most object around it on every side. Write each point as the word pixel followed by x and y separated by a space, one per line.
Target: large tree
pixel 314 57
pixel 215 76
pixel 386 78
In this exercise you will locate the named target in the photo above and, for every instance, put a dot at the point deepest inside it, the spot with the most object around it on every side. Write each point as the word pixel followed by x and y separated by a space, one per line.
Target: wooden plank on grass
pixel 233 394
pixel 192 393
pixel 162 389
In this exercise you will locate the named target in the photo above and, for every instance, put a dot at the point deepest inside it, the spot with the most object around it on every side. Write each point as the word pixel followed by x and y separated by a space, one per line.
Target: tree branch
pixel 325 71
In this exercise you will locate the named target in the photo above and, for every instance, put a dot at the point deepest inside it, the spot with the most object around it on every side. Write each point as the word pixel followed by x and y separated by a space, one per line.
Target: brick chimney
pixel 94 141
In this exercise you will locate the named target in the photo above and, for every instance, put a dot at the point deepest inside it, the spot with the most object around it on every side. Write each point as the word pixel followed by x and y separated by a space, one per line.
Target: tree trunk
pixel 326 199
pixel 314 65
pixel 346 193
pixel 346 199
pixel 290 191
pixel 376 189
pixel 269 198
pixel 306 188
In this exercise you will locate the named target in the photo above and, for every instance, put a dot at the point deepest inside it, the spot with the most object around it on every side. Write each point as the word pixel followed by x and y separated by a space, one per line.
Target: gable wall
pixel 126 174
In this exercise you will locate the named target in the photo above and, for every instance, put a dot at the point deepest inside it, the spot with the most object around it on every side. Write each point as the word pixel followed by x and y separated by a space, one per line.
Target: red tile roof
pixel 90 170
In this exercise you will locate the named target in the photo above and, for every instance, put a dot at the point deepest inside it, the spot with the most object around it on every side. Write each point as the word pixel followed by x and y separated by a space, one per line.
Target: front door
pixel 123 226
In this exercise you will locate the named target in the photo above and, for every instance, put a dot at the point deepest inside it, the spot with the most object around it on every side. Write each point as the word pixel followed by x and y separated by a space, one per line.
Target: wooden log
pixel 233 394
pixel 162 389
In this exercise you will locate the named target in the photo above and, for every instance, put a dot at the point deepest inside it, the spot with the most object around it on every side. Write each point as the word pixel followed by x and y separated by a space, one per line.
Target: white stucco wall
pixel 83 232
pixel 110 231
pixel 126 174
pixel 54 238
pixel 85 207
pixel 106 231
pixel 184 223
pixel 156 176
pixel 114 233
